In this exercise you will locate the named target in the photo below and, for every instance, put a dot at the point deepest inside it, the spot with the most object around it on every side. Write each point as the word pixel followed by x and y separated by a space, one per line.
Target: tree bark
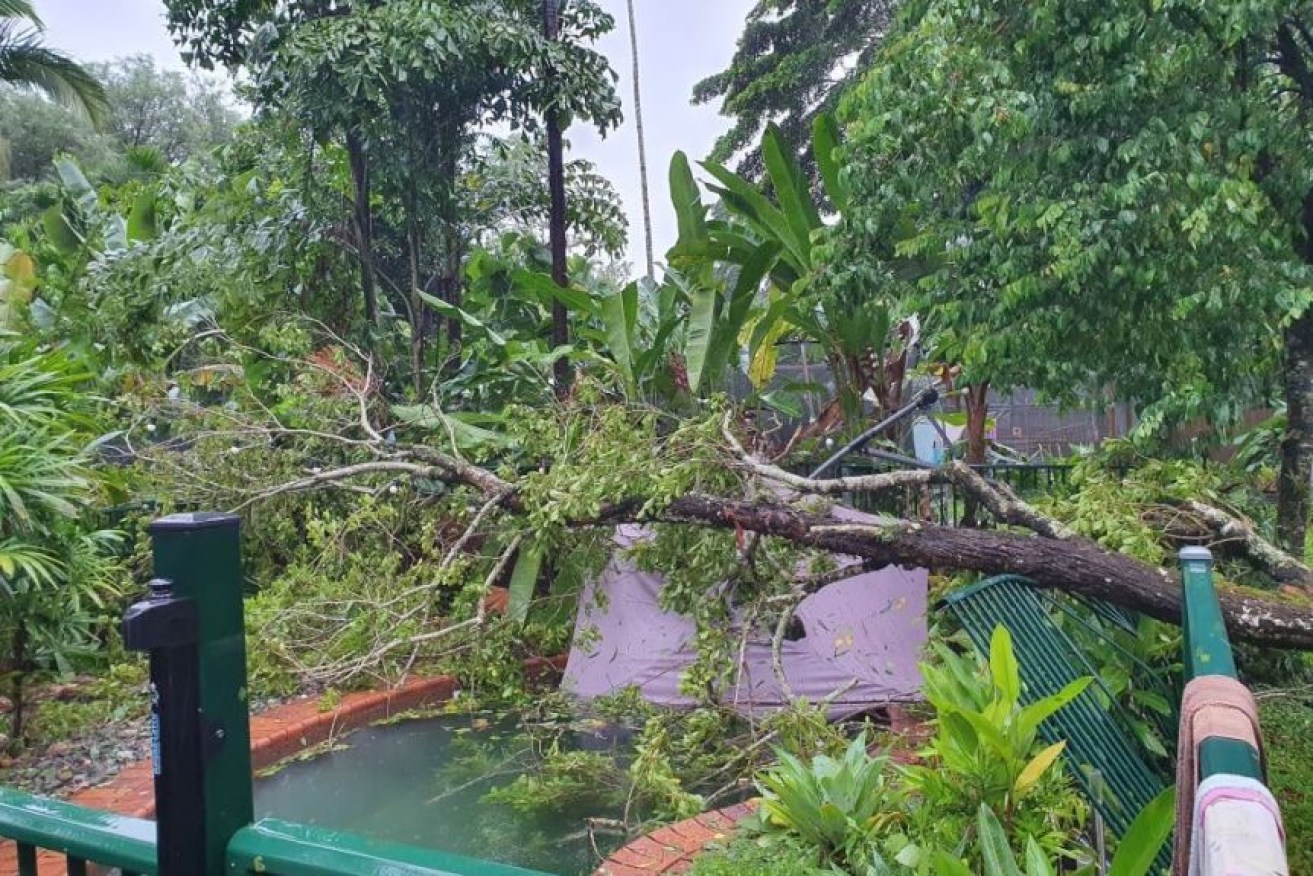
pixel 1297 444
pixel 1056 559
pixel 363 219
pixel 557 220
pixel 977 405
pixel 642 143
pixel 1073 565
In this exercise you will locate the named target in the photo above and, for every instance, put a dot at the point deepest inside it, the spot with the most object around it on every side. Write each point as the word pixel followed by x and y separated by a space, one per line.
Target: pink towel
pixel 1213 706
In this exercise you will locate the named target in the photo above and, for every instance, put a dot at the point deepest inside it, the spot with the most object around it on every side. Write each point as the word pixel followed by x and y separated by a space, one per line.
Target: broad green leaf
pixel 1003 665
pixel 142 219
pixel 523 580
pixel 701 333
pixel 748 284
pixel 543 288
pixel 689 209
pixel 619 311
pixel 994 848
pixel 1036 863
pixel 1145 837
pixel 454 427
pixel 1037 767
pixel 1037 713
pixel 466 319
pixel 790 185
pixel 948 865
pixel 59 231
pixel 825 145
pixel 744 200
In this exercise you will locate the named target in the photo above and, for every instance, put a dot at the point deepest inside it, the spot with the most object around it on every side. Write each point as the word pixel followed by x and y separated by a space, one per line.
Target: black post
pixel 167 627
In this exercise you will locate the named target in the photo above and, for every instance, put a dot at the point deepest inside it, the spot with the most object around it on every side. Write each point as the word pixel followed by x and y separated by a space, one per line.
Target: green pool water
pixel 423 783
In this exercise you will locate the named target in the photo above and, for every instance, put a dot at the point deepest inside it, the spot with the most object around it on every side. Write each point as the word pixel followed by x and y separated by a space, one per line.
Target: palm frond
pixel 26 63
pixel 20 9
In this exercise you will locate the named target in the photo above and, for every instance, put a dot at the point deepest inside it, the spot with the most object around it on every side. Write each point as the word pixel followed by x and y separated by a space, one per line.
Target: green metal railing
pixel 192 625
pixel 1208 652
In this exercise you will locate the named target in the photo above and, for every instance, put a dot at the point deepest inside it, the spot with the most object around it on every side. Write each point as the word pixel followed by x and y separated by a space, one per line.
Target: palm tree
pixel 642 141
pixel 26 63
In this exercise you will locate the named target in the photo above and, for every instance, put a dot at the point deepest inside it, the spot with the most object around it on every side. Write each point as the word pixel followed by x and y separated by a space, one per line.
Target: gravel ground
pixel 63 768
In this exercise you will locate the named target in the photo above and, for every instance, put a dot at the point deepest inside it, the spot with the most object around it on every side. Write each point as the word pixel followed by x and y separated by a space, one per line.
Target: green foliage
pixel 59 575
pixel 1111 196
pixel 1288 734
pixel 766 857
pixel 27 63
pixel 794 61
pixel 832 804
pixel 986 751
pixel 150 107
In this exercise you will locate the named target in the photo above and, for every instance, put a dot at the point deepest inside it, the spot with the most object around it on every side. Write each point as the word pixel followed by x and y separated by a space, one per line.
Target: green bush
pixel 760 856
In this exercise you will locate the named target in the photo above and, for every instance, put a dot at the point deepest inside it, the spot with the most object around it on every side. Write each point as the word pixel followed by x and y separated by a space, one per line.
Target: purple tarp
pixel 866 631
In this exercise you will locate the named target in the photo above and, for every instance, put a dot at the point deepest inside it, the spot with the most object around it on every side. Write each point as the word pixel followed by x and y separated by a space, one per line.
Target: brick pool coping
pixel 280 733
pixel 671 849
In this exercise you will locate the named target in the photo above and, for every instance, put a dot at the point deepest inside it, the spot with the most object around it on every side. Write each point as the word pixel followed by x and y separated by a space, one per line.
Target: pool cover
pixel 862 636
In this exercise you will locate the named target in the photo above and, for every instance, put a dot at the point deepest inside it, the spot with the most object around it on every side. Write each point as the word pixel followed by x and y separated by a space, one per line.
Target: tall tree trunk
pixel 977 404
pixel 363 219
pixel 556 187
pixel 1297 444
pixel 419 311
pixel 642 142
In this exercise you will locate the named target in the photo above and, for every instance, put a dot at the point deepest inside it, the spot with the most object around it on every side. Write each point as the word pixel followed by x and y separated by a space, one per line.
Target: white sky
pixel 681 41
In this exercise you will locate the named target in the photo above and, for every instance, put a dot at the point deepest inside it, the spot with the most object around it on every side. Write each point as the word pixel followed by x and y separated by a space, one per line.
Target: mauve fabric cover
pixel 867 631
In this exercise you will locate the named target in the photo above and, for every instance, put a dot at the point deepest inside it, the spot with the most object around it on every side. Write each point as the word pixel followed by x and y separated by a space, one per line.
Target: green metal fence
pixel 193 626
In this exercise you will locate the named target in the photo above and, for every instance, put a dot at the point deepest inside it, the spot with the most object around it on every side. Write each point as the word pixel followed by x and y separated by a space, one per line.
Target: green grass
pixel 1288 733
pixel 759 856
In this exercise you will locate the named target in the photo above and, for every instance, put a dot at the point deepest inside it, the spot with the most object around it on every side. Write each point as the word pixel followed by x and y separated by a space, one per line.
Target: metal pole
pixel 201 555
pixel 924 399
pixel 166 626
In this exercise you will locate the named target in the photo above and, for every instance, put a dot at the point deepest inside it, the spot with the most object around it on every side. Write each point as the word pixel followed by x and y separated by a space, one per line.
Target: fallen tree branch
pixel 1067 563
pixel 1004 504
pixel 1283 568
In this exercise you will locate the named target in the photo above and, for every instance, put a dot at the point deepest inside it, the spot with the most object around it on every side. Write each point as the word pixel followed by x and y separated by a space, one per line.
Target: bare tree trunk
pixel 977 404
pixel 642 142
pixel 1297 445
pixel 363 219
pixel 556 188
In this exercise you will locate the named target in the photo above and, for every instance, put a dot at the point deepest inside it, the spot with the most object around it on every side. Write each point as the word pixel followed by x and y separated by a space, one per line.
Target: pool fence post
pixel 200 554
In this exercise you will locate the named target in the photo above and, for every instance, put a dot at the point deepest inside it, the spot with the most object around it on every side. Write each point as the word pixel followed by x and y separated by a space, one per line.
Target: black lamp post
pixel 557 221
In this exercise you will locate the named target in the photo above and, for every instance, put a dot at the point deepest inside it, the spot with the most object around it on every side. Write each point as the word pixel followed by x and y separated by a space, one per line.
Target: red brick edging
pixel 671 849
pixel 276 735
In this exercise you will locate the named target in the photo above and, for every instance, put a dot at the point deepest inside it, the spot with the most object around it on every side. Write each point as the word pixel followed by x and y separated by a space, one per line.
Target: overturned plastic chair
pixel 1117 775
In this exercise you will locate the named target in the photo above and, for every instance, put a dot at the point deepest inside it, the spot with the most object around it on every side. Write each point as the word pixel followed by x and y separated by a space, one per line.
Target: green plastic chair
pixel 1105 759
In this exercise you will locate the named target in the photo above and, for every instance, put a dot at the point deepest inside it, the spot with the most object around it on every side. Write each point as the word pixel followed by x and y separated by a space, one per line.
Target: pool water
pixel 423 783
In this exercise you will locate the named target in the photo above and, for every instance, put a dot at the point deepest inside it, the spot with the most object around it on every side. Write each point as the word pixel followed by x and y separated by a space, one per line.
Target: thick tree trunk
pixel 363 220
pixel 1297 444
pixel 1073 565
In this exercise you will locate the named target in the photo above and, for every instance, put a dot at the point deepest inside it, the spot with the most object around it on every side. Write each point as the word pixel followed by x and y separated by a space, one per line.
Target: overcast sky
pixel 680 42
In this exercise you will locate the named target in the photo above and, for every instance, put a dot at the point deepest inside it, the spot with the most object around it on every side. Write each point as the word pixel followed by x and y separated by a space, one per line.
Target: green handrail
pixel 1208 652
pixel 78 832
pixel 272 846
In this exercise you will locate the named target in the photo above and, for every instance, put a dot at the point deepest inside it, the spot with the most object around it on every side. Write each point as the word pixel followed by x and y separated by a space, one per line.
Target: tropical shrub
pixel 58 572
pixel 833 804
